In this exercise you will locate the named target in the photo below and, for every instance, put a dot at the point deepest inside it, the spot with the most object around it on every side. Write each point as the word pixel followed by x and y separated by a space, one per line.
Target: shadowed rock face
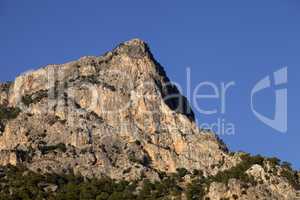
pixel 115 115
pixel 137 49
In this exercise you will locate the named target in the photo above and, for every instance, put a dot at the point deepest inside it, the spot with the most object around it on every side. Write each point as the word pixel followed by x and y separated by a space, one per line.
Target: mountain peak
pixel 135 42
pixel 135 48
pixel 119 116
pixel 102 103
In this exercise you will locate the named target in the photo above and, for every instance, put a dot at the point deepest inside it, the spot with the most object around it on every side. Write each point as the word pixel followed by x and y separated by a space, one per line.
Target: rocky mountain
pixel 119 116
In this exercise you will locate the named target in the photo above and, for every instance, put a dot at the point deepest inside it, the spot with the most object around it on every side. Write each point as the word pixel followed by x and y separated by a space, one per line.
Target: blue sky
pixel 220 41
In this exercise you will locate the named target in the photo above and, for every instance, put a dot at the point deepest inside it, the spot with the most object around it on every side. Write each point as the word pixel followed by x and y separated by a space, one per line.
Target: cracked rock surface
pixel 115 115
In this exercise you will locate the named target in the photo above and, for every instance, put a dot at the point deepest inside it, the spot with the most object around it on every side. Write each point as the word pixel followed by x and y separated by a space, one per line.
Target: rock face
pixel 269 185
pixel 113 114
pixel 116 115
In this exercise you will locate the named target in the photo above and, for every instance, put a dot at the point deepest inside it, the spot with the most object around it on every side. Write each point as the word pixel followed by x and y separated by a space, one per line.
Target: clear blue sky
pixel 240 41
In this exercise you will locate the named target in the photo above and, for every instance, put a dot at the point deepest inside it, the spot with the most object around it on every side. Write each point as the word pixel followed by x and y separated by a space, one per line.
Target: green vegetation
pixel 287 172
pixel 274 161
pixel 159 190
pixel 7 113
pixel 196 189
pixel 93 79
pixel 17 183
pixel 239 171
pixel 182 172
pixel 46 149
pixel 34 98
pixel 199 186
pixel 292 177
pixel 27 100
pixel 21 184
pixel 145 160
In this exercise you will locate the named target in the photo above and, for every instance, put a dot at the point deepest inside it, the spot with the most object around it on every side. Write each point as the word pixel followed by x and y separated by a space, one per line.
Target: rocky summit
pixel 119 116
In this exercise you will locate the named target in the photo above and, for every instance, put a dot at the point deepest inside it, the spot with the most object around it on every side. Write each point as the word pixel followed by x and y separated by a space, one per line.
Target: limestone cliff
pixel 116 115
